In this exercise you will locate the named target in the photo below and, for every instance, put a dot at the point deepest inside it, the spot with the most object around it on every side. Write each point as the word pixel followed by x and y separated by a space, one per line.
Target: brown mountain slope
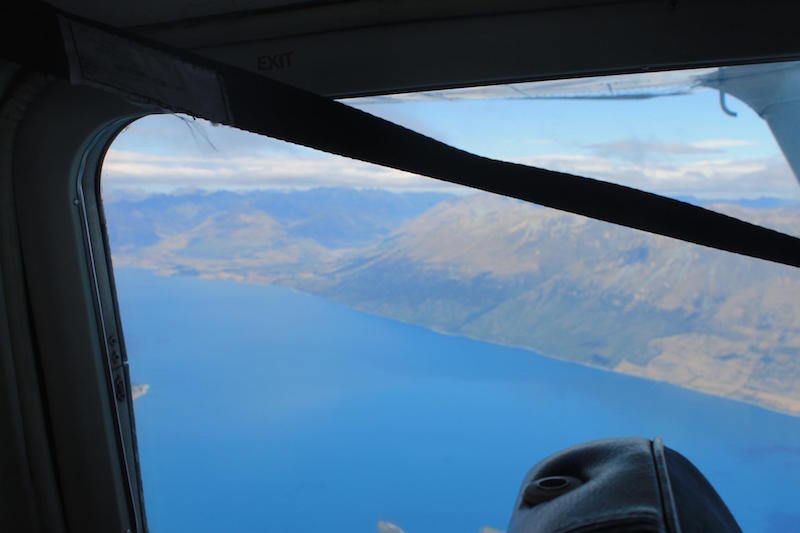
pixel 590 292
pixel 512 273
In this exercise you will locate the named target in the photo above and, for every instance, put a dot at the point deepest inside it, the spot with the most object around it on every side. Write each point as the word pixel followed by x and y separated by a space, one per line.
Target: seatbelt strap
pixel 167 79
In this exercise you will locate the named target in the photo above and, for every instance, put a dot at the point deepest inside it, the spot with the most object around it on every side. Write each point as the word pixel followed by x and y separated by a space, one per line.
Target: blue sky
pixel 675 145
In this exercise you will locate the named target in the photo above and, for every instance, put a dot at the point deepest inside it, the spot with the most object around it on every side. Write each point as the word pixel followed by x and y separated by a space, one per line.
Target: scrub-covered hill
pixel 502 271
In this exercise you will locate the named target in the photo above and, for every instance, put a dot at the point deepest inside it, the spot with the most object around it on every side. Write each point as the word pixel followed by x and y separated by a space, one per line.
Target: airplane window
pixel 320 344
pixel 723 138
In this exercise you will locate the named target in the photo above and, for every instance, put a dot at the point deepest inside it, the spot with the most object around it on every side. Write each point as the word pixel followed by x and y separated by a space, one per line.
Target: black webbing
pixel 268 107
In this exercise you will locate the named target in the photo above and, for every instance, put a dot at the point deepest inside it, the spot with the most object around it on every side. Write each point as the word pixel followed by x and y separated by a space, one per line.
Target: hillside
pixel 505 272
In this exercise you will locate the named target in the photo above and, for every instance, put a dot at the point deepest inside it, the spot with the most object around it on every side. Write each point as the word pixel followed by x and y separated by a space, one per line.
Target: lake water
pixel 273 410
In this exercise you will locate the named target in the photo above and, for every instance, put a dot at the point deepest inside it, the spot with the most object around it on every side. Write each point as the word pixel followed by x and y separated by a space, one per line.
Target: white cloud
pixel 722 178
pixel 638 150
pixel 127 169
pixel 714 144
pixel 706 168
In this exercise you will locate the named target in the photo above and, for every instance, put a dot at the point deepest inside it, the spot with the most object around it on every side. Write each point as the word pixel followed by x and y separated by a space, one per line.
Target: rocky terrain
pixel 502 271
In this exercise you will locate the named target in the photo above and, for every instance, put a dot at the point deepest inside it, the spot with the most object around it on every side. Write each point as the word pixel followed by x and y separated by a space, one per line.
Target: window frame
pixel 68 290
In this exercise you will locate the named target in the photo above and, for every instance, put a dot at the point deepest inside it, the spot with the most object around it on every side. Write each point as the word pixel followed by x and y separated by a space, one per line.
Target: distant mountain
pixel 334 217
pixel 763 202
pixel 262 236
pixel 506 272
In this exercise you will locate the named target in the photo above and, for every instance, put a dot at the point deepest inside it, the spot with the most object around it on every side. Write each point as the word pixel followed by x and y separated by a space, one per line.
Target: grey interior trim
pixel 362 48
pixel 29 494
pixel 90 424
pixel 330 13
pixel 18 502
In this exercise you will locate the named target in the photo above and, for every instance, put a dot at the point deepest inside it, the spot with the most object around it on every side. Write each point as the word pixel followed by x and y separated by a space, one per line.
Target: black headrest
pixel 626 484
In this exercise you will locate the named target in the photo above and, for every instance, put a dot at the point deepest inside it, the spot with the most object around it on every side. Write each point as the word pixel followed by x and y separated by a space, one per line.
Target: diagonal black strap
pixel 179 81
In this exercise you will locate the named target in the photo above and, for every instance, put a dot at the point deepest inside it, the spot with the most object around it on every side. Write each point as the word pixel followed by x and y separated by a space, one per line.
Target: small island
pixel 139 389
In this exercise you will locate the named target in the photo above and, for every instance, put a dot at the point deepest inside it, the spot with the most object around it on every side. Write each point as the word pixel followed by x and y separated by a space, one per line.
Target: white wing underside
pixel 618 87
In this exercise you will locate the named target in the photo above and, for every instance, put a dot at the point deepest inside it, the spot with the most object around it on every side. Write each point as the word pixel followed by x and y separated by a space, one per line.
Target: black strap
pixel 261 105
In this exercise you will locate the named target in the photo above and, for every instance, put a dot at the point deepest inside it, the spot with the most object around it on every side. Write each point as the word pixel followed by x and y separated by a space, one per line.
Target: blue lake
pixel 273 410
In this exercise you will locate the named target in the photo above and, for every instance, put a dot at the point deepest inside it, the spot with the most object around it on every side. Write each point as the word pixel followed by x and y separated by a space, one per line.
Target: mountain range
pixel 502 271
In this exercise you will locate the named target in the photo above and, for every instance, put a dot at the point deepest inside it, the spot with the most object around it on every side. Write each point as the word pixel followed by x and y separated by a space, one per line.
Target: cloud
pixel 127 169
pixel 706 177
pixel 638 151
pixel 719 178
pixel 161 154
pixel 721 143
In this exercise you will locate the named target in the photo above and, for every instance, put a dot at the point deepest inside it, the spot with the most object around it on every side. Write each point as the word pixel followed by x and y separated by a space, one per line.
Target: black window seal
pixel 98 251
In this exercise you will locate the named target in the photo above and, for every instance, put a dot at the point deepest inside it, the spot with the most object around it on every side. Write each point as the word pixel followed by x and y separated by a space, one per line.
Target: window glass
pixel 320 344
pixel 706 136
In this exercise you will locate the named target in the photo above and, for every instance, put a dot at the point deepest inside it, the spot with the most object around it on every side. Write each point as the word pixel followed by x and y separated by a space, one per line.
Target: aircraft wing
pixel 618 87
